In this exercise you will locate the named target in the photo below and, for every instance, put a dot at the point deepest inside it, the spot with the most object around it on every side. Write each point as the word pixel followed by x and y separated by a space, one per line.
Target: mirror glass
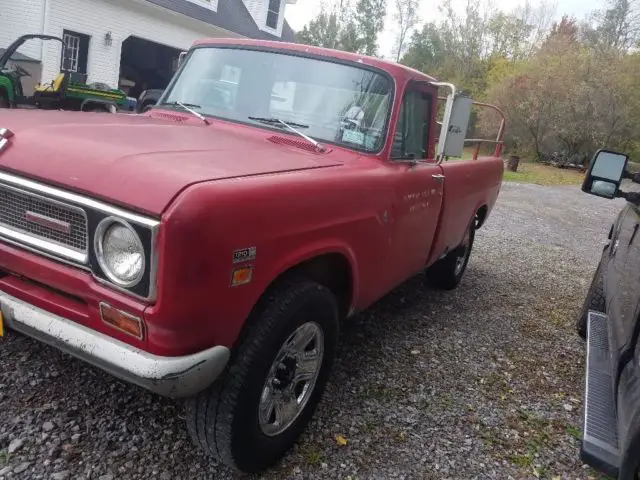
pixel 609 165
pixel 604 188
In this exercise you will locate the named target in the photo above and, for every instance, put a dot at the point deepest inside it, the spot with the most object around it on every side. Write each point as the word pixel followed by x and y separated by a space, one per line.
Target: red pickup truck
pixel 211 247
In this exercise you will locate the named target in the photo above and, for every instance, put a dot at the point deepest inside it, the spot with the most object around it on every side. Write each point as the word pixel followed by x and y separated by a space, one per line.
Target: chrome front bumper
pixel 167 376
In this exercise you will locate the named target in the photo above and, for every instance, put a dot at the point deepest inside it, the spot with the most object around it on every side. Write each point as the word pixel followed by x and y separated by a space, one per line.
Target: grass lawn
pixel 543 175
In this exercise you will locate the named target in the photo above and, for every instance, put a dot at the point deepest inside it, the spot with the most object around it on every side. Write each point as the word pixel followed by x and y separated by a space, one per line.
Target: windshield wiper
pixel 189 107
pixel 290 125
pixel 276 121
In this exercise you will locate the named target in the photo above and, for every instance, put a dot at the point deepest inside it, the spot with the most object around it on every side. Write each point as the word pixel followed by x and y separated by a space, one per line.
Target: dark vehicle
pixel 148 99
pixel 610 322
pixel 68 91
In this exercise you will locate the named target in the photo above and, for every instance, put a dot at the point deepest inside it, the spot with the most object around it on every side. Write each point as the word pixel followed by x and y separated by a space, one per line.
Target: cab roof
pixel 396 70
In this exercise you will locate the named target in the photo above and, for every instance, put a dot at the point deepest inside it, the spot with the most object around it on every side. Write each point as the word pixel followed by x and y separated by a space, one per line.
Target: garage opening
pixel 146 65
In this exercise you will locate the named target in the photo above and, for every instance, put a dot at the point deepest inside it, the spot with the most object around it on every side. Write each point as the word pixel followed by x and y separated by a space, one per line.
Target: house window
pixel 76 52
pixel 273 14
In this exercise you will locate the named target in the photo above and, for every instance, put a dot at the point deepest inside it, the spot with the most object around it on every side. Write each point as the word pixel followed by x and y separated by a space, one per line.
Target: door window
pixel 412 131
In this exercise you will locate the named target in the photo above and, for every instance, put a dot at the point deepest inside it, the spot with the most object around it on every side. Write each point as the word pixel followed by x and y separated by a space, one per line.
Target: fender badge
pixel 5 135
pixel 244 255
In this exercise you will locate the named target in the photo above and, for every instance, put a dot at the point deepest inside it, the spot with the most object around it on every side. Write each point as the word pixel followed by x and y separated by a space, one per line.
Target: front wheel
pixel 276 377
pixel 447 272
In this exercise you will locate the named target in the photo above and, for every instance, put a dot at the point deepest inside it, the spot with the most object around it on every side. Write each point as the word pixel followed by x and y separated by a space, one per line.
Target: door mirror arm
pixel 634 177
pixel 631 197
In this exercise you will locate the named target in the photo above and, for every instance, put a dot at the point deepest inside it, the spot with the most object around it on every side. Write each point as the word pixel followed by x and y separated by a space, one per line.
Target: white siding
pixel 211 4
pixel 122 18
pixel 258 10
pixel 19 18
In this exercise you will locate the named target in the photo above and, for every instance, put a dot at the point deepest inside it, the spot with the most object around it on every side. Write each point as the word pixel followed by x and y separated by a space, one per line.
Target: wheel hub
pixel 285 373
pixel 291 379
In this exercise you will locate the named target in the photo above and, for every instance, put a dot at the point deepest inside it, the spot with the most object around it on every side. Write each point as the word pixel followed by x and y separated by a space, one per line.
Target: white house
pixel 137 40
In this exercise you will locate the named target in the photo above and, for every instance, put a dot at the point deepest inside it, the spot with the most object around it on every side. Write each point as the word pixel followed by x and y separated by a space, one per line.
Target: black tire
pixel 447 272
pixel 595 300
pixel 224 419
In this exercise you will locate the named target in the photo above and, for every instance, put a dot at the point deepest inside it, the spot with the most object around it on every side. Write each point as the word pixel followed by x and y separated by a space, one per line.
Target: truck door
pixel 418 183
pixel 623 281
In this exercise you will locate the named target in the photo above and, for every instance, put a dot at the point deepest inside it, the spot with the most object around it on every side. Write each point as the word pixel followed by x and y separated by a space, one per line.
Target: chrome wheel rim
pixel 462 256
pixel 291 379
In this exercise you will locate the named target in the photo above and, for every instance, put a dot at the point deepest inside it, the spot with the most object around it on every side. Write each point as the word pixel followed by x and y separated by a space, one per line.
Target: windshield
pixel 331 102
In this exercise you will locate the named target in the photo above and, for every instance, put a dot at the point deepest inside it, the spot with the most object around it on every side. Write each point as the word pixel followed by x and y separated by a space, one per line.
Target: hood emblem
pixel 48 222
pixel 5 135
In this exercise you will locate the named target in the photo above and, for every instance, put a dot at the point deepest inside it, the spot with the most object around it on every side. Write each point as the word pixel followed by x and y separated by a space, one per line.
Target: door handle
pixel 439 178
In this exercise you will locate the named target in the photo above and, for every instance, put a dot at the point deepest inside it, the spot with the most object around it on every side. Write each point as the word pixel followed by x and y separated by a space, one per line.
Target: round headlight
pixel 120 252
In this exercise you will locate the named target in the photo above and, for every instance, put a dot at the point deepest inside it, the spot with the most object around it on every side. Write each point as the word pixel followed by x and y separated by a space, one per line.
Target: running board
pixel 600 433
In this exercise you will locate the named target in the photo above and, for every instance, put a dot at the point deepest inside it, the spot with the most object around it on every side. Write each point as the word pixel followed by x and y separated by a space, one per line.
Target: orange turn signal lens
pixel 122 321
pixel 241 276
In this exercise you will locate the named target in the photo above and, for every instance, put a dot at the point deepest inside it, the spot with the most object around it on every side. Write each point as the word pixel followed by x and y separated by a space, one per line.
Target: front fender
pixel 306 252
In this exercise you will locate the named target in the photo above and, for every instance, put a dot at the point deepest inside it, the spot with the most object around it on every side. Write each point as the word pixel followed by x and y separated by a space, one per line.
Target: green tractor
pixel 68 91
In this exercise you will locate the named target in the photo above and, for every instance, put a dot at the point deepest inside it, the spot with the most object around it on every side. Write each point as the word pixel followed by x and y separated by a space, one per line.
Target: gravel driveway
pixel 482 382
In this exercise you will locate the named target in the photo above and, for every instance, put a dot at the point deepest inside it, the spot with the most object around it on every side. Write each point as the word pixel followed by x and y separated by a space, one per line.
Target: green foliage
pixel 369 22
pixel 346 27
pixel 568 86
pixel 322 31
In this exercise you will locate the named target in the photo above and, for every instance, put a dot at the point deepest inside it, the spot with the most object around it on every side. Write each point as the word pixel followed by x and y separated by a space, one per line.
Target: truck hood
pixel 138 161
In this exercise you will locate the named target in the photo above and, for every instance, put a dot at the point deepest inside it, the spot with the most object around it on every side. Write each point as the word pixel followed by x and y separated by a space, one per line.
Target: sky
pixel 300 13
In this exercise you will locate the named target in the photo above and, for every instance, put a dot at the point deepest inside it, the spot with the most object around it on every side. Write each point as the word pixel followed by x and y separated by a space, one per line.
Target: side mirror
pixel 606 171
pixel 454 125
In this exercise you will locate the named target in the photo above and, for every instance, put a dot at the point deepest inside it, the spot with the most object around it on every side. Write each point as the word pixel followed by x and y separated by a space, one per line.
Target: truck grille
pixel 43 219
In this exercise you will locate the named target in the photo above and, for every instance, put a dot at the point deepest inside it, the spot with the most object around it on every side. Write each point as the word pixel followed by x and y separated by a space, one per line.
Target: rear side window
pixel 412 132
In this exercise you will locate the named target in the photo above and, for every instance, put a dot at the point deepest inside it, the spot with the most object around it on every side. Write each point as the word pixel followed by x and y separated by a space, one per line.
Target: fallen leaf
pixel 340 440
pixel 556 477
pixel 536 472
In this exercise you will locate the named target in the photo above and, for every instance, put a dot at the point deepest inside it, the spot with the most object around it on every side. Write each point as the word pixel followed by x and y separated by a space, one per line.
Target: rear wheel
pixel 276 377
pixel 447 272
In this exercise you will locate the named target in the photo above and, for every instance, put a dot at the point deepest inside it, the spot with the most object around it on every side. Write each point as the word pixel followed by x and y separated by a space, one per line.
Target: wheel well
pixel 333 271
pixel 481 216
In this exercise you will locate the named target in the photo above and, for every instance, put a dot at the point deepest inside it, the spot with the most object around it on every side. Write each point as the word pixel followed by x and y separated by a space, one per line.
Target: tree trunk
pixel 512 163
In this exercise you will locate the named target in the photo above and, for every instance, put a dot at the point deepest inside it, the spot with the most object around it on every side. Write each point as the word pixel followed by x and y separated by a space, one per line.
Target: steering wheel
pixel 21 71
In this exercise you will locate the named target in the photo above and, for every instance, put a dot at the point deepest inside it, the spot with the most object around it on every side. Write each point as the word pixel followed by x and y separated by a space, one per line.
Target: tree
pixel 322 31
pixel 346 28
pixel 619 25
pixel 406 17
pixel 427 50
pixel 369 21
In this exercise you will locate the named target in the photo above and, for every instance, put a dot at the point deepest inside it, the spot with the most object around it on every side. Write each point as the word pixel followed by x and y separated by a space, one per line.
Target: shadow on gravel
pixel 103 426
